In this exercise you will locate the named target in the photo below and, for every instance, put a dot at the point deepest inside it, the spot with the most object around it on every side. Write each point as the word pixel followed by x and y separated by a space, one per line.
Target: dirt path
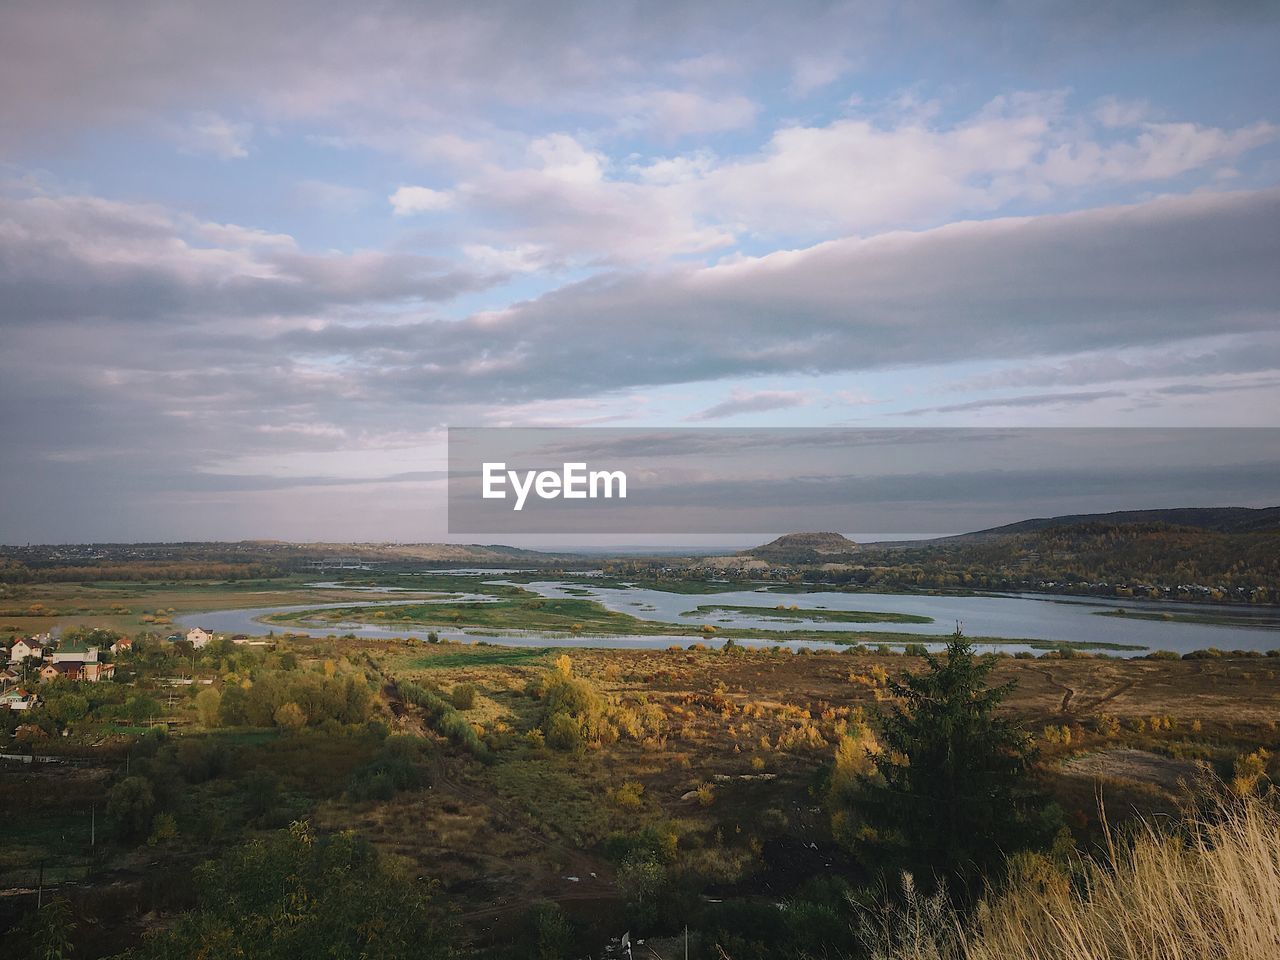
pixel 1110 695
pixel 1067 691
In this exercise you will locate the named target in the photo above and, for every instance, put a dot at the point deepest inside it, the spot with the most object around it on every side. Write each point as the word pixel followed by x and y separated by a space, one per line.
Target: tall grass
pixel 1208 892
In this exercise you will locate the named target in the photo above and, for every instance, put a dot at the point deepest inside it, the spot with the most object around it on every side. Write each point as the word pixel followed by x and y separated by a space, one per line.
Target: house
pixel 123 645
pixel 91 671
pixel 73 651
pixel 198 638
pixel 23 648
pixel 18 699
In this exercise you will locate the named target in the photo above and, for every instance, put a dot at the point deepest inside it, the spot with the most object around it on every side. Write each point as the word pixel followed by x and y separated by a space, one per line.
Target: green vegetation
pixel 947 796
pixel 793 612
pixel 295 894
pixel 1180 616
pixel 547 803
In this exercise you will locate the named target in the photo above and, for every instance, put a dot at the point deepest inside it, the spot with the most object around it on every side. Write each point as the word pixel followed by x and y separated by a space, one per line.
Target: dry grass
pixel 1212 893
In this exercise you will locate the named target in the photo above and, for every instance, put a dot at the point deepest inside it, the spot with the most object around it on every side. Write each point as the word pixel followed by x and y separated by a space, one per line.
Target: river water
pixel 1017 617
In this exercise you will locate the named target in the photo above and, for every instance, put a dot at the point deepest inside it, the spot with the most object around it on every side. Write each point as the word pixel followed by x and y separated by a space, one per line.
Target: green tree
pixel 130 806
pixel 947 798
pixel 290 716
pixel 208 701
pixel 47 932
pixel 293 895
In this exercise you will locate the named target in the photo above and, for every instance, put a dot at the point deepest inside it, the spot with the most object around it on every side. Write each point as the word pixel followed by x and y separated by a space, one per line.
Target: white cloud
pixel 813 72
pixel 751 401
pixel 670 114
pixel 210 133
pixel 408 201
pixel 901 167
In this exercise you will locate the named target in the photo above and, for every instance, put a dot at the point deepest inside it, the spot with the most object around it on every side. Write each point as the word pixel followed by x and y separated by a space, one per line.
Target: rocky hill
pixel 806 548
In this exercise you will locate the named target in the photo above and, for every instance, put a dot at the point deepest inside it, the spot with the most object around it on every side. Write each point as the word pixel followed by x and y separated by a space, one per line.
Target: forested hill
pixel 1227 553
pixel 1216 519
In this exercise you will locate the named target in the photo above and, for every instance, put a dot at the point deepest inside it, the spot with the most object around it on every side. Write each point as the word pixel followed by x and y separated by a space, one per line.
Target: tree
pixel 294 894
pixel 290 716
pixel 947 797
pixel 130 806
pixel 207 703
pixel 47 932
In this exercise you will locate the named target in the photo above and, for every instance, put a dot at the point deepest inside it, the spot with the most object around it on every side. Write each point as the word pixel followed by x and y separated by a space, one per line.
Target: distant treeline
pixel 140 570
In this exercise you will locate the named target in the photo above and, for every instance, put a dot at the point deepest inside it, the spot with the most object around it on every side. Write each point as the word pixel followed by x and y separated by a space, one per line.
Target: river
pixel 1021 616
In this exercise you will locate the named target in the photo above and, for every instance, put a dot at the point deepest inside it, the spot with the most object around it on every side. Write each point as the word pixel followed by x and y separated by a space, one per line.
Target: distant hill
pixel 1215 519
pixel 805 548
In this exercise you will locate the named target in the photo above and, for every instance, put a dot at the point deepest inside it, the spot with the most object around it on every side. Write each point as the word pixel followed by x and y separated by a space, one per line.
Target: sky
pixel 256 258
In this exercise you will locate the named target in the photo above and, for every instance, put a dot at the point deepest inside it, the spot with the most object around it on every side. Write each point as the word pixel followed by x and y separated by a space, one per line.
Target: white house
pixel 198 638
pixel 123 645
pixel 22 649
pixel 74 653
pixel 18 699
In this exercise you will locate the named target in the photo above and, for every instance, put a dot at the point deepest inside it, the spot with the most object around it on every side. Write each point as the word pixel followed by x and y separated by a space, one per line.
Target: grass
pixel 516 609
pixel 1211 893
pixel 1217 619
pixel 483 657
pixel 794 613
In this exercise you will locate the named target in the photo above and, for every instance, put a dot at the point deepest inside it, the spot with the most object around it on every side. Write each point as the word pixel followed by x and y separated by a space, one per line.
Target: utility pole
pixel 40 887
pixel 93 826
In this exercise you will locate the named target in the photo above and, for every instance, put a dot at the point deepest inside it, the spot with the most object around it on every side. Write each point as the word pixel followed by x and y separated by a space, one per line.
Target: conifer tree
pixel 946 799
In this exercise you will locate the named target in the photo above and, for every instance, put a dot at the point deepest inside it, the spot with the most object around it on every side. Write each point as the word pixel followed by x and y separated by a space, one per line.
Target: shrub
pixel 563 732
pixel 463 696
pixel 164 828
pixel 629 796
pixel 131 804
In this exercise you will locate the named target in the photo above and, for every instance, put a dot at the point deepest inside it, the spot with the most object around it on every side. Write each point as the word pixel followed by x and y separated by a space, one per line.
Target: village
pixel 46 658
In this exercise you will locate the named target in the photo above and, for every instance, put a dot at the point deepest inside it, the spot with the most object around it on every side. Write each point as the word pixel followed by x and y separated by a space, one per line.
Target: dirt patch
pixel 1125 763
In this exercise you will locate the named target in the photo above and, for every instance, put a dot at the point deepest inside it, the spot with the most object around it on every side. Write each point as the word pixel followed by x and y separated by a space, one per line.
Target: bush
pixel 131 804
pixel 563 732
pixel 463 696
pixel 445 719
pixel 629 796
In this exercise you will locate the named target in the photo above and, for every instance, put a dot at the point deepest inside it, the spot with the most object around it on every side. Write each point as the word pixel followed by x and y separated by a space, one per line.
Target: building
pixel 198 638
pixel 91 671
pixel 74 652
pixel 123 645
pixel 18 699
pixel 23 648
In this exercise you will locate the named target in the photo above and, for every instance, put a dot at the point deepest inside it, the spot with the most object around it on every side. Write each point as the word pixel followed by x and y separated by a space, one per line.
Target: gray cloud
pixel 77 258
pixel 84 61
pixel 1145 275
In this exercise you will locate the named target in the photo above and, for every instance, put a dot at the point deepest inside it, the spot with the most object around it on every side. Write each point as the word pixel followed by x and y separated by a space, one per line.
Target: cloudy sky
pixel 256 257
